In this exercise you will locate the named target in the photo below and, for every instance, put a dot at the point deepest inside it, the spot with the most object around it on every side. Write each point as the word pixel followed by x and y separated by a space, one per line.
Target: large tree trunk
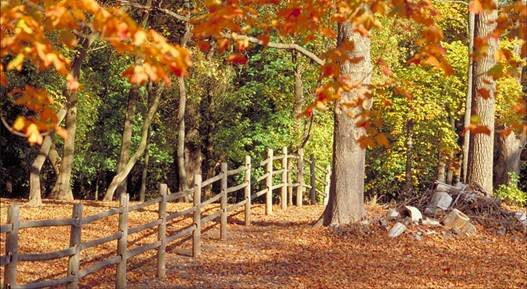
pixel 35 194
pixel 481 150
pixel 346 194
pixel 118 178
pixel 62 189
pixel 126 141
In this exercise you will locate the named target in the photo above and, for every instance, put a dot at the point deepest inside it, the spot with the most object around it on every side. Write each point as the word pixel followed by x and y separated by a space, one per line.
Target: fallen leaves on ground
pixel 284 251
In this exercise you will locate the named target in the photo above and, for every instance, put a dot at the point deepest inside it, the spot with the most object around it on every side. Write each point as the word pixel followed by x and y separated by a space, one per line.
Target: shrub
pixel 511 193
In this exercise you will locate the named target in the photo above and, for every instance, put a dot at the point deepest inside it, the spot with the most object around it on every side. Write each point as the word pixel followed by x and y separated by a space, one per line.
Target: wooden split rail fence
pixel 284 173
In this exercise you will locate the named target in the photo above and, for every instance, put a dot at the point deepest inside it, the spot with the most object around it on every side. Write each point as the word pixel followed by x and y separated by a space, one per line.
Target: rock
pixel 459 223
pixel 396 230
pixel 469 229
pixel 392 214
pixel 430 222
pixel 414 213
pixel 365 222
pixel 418 236
pixel 455 220
pixel 383 223
pixel 442 187
pixel 522 217
pixel 440 200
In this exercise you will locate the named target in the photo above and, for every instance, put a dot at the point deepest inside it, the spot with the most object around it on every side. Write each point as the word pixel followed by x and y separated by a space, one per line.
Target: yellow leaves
pixel 16 63
pixel 139 38
pixel 19 123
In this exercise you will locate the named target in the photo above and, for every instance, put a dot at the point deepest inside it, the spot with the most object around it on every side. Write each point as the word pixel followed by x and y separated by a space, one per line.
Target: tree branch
pixel 290 46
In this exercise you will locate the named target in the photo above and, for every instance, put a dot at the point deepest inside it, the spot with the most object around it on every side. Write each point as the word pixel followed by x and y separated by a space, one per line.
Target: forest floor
pixel 285 251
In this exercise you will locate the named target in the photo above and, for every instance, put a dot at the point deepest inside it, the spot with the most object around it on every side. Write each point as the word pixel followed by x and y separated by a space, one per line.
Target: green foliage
pixel 511 192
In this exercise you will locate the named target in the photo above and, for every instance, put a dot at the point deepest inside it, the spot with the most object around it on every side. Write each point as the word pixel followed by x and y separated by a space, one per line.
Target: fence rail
pixel 284 174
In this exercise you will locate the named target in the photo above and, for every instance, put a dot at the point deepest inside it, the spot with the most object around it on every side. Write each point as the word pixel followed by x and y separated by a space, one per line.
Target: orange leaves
pixel 384 67
pixel 478 6
pixel 25 30
pixel 477 127
pixel 237 58
pixel 485 93
pixel 44 119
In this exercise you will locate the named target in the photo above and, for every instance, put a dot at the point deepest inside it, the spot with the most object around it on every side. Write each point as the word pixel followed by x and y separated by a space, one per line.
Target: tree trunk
pixel 133 95
pixel 35 194
pixel 126 141
pixel 408 185
pixel 62 189
pixel 182 176
pixel 481 150
pixel 118 178
pixel 468 101
pixel 142 191
pixel 509 148
pixel 298 104
pixel 54 158
pixel 346 195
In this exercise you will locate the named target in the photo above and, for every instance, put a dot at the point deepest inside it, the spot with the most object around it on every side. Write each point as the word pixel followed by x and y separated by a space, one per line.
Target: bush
pixel 511 193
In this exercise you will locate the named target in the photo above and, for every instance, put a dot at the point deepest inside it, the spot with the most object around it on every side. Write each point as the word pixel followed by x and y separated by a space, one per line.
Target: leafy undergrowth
pixel 285 251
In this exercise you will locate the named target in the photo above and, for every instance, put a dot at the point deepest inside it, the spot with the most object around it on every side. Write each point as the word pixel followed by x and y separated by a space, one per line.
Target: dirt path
pixel 284 251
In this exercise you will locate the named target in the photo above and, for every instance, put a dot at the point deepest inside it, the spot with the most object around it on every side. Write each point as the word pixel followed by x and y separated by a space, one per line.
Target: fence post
pixel 283 191
pixel 196 235
pixel 247 190
pixel 326 186
pixel 269 183
pixel 75 241
pixel 312 181
pixel 223 205
pixel 161 232
pixel 11 247
pixel 122 243
pixel 290 184
pixel 300 178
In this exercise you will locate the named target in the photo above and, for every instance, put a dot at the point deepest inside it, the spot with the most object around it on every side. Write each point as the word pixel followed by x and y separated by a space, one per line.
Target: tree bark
pixel 35 194
pixel 509 148
pixel 182 175
pixel 126 142
pixel 144 175
pixel 508 155
pixel 118 178
pixel 481 146
pixel 408 185
pixel 468 101
pixel 346 195
pixel 62 189
pixel 298 102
